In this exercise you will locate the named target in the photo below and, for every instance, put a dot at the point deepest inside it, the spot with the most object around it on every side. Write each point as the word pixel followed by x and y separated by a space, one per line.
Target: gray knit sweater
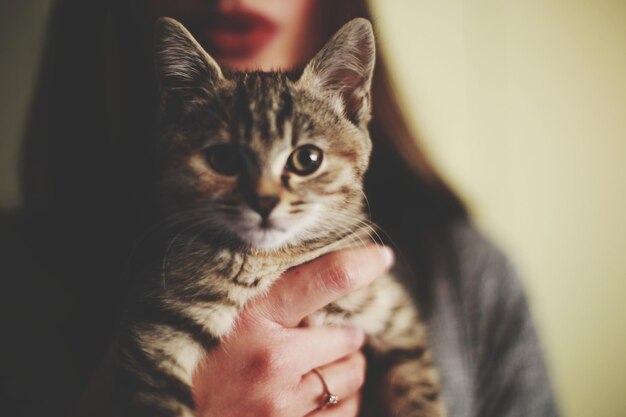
pixel 484 339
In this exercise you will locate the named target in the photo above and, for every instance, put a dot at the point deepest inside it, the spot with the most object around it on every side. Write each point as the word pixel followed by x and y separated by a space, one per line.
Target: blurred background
pixel 523 107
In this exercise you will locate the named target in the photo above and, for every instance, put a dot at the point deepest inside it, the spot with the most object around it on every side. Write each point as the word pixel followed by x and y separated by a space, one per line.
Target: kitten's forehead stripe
pixel 245 120
pixel 295 134
pixel 284 113
pixel 264 129
pixel 264 105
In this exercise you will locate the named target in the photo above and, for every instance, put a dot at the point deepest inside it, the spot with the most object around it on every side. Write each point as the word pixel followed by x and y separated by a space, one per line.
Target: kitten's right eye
pixel 225 160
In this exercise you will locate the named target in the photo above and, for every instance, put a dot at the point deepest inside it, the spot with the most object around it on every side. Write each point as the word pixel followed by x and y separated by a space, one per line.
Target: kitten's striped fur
pixel 217 257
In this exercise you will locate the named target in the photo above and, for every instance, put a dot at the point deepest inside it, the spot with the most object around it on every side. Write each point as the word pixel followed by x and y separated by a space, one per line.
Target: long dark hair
pixel 87 167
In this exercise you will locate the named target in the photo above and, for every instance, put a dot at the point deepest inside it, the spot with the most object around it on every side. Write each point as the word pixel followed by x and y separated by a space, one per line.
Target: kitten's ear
pixel 184 70
pixel 344 68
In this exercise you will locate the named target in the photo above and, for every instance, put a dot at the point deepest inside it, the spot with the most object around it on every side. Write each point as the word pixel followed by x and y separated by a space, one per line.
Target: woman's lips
pixel 239 34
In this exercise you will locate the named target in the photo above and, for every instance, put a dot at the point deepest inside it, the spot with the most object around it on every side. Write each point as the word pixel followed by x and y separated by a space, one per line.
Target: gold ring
pixel 329 398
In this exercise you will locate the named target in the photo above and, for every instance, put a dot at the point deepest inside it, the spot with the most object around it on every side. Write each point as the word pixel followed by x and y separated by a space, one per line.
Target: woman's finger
pixel 346 408
pixel 309 287
pixel 317 346
pixel 343 378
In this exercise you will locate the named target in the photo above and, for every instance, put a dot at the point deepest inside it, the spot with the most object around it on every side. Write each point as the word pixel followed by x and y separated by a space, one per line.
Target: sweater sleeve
pixel 506 364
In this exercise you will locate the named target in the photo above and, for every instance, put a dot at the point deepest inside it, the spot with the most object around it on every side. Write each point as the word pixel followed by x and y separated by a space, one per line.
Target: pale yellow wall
pixel 523 106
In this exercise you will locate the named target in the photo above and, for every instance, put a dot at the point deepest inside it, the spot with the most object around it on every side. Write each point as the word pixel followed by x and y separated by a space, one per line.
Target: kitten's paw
pixel 411 389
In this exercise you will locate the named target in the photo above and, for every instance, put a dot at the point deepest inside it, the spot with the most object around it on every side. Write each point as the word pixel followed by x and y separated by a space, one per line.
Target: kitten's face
pixel 262 158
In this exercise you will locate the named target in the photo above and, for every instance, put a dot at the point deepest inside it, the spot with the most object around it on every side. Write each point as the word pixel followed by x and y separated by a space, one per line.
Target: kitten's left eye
pixel 305 160
pixel 225 160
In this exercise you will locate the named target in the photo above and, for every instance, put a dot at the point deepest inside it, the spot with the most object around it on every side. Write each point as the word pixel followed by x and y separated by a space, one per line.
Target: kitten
pixel 261 172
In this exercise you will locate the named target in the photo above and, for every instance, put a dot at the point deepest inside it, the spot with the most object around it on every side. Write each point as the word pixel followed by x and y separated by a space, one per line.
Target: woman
pixel 87 176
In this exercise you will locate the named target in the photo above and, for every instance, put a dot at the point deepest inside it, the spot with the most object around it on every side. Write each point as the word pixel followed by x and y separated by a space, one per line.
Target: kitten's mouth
pixel 266 236
pixel 267 224
pixel 265 232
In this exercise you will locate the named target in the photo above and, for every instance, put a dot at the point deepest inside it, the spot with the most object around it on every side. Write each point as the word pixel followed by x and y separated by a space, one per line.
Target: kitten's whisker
pixel 232 211
pixel 210 220
pixel 346 224
pixel 366 223
pixel 400 259
pixel 161 226
pixel 362 225
pixel 226 202
pixel 167 254
pixel 367 204
pixel 195 223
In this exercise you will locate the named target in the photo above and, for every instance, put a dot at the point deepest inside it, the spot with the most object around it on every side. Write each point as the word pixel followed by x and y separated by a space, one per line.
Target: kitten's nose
pixel 264 204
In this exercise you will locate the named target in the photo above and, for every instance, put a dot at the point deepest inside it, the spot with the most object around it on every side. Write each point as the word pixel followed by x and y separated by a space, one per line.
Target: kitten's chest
pixel 250 276
pixel 212 285
pixel 230 276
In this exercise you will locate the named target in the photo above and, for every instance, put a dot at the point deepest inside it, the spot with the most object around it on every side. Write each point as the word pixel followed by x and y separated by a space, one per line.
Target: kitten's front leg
pixel 400 367
pixel 410 387
pixel 409 383
pixel 154 371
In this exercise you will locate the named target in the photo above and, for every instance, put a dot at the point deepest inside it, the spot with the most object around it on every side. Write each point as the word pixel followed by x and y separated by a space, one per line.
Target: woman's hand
pixel 264 367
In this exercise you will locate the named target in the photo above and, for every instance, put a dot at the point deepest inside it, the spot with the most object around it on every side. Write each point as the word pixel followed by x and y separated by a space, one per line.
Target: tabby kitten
pixel 260 172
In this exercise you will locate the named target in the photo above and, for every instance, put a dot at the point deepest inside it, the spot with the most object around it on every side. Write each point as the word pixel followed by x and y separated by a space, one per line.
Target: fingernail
pixel 389 256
